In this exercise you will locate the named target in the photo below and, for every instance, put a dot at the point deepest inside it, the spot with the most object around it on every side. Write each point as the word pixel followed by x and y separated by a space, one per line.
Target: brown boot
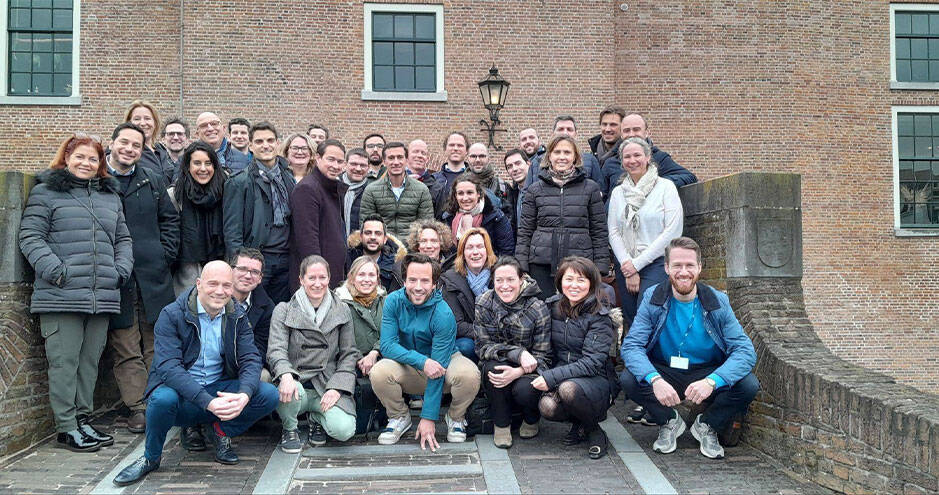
pixel 502 437
pixel 528 430
pixel 137 423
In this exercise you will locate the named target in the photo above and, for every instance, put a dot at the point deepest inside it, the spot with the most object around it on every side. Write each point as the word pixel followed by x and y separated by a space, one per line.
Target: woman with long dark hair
pixel 582 382
pixel 198 197
pixel 74 235
pixel 471 205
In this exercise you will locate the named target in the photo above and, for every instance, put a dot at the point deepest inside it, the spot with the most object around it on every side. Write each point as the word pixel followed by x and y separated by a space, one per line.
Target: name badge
pixel 679 362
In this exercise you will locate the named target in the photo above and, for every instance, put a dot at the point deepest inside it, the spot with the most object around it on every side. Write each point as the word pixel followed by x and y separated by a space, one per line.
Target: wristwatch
pixel 710 381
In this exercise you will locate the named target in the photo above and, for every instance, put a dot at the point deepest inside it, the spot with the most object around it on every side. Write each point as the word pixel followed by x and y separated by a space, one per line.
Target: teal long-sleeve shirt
pixel 410 334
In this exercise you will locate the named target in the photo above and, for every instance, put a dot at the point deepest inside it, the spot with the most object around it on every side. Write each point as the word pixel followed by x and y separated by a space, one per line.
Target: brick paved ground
pixel 541 465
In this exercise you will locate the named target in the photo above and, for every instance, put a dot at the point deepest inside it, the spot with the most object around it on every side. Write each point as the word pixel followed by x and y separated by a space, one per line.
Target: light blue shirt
pixel 208 367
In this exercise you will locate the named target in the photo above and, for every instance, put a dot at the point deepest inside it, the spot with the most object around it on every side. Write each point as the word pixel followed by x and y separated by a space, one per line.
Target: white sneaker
pixel 456 430
pixel 707 437
pixel 667 441
pixel 392 433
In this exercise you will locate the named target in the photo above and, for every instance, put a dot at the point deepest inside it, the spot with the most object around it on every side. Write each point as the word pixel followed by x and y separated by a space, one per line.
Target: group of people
pixel 242 274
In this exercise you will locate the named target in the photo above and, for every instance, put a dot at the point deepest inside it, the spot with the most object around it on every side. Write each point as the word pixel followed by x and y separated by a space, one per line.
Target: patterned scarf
pixel 635 195
pixel 465 220
pixel 279 200
pixel 478 282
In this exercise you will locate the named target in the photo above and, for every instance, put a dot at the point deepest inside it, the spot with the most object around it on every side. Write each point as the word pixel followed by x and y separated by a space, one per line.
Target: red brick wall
pixel 779 86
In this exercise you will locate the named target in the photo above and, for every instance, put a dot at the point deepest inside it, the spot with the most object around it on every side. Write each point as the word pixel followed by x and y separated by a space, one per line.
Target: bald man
pixel 206 370
pixel 209 128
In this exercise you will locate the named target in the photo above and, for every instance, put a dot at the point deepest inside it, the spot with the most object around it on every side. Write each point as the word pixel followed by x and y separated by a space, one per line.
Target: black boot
pixel 575 436
pixel 223 451
pixel 136 471
pixel 84 424
pixel 192 439
pixel 77 441
pixel 598 444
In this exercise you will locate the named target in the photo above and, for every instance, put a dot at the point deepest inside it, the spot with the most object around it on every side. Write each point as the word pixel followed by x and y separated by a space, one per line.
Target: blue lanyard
pixel 694 314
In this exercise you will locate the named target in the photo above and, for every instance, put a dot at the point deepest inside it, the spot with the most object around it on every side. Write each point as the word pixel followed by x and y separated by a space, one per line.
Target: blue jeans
pixel 467 348
pixel 651 274
pixel 166 409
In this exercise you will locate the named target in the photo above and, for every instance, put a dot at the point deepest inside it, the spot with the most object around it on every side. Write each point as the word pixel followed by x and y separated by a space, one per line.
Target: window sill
pixel 916 232
pixel 403 96
pixel 929 86
pixel 41 100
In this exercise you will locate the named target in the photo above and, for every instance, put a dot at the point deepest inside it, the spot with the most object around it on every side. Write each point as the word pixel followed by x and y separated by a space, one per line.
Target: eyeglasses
pixel 300 149
pixel 243 270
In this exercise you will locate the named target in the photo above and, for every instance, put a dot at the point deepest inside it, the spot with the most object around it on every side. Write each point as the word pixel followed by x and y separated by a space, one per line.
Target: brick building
pixel 839 92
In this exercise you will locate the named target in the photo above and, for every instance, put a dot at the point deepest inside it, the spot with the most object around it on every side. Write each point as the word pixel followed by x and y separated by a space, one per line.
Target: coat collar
pixel 662 293
pixel 62 180
pixel 297 318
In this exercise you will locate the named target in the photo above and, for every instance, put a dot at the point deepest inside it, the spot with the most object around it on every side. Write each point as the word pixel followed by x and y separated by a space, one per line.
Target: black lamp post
pixel 493 89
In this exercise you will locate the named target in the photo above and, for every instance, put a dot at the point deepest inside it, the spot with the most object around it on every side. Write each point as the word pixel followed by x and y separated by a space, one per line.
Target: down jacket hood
pixel 393 246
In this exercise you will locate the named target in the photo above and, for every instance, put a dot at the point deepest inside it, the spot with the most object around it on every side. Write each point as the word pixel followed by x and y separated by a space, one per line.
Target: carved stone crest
pixel 774 242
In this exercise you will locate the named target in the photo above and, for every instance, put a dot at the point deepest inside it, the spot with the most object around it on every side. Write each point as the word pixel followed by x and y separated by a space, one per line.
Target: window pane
pixel 42 83
pixel 42 4
pixel 62 84
pixel 425 29
pixel 20 84
pixel 903 23
pixel 933 23
pixel 903 48
pixel 62 20
pixel 382 26
pixel 42 19
pixel 922 170
pixel 62 62
pixel 63 43
pixel 905 124
pixel 42 42
pixel 62 4
pixel 906 170
pixel 424 54
pixel 404 78
pixel 922 125
pixel 904 70
pixel 20 62
pixel 905 147
pixel 19 19
pixel 404 53
pixel 404 26
pixel 425 79
pixel 923 147
pixel 42 62
pixel 20 3
pixel 935 171
pixel 934 70
pixel 934 48
pixel 384 77
pixel 918 48
pixel 920 23
pixel 382 53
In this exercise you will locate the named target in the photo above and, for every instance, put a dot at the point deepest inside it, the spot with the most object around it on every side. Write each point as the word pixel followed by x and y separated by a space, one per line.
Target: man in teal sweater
pixel 418 345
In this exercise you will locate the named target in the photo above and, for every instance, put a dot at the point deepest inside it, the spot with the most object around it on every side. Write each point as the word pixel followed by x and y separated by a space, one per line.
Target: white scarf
pixel 635 195
pixel 316 315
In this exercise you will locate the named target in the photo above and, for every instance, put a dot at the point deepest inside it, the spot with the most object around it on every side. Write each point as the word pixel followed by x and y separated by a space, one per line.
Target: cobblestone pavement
pixel 539 465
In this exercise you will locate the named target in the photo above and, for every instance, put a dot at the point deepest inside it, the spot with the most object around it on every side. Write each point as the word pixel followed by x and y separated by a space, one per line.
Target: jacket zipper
pixel 94 256
pixel 567 338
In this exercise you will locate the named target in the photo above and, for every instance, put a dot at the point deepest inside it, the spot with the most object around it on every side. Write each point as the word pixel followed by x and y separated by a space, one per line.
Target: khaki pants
pixel 133 355
pixel 74 342
pixel 391 379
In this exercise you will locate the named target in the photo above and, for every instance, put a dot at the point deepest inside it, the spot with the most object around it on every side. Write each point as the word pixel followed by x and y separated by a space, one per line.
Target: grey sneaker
pixel 392 433
pixel 707 437
pixel 668 435
pixel 290 442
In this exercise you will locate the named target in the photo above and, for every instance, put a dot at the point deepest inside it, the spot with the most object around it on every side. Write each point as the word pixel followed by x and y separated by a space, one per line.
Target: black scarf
pixel 200 224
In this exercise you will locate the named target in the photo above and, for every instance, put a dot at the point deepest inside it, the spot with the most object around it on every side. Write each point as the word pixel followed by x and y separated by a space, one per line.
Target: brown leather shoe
pixel 137 423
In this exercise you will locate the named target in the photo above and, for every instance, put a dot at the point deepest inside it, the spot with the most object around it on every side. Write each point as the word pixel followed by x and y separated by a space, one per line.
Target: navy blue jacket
pixel 177 347
pixel 231 159
pixel 719 322
pixel 259 315
pixel 496 223
pixel 668 169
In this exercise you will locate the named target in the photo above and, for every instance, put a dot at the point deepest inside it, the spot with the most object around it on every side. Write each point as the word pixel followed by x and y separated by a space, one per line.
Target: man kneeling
pixel 312 353
pixel 686 343
pixel 206 369
pixel 418 342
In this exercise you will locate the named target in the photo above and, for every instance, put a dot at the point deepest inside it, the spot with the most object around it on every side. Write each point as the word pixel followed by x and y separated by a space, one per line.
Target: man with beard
pixel 454 149
pixel 686 344
pixel 530 143
pixel 482 171
pixel 356 177
pixel 635 125
pixel 173 139
pixel 384 249
pixel 209 128
pixel 396 198
pixel 605 146
pixel 373 144
pixel 418 345
pixel 154 228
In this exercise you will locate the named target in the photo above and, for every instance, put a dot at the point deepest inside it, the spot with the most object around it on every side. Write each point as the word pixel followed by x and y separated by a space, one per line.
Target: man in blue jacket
pixel 686 343
pixel 418 346
pixel 206 370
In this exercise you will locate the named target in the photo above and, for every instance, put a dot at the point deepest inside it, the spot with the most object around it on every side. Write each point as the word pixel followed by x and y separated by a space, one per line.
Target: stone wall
pixel 843 426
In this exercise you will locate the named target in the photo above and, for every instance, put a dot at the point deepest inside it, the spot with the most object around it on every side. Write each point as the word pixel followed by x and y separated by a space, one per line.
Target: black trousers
pixel 725 402
pixel 544 277
pixel 517 396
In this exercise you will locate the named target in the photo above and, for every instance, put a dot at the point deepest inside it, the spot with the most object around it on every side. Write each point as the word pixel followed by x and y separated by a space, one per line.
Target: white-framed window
pixel 403 52
pixel 39 52
pixel 916 170
pixel 914 46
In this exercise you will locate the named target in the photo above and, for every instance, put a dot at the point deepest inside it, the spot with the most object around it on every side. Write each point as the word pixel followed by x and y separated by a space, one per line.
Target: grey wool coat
pixel 80 262
pixel 322 356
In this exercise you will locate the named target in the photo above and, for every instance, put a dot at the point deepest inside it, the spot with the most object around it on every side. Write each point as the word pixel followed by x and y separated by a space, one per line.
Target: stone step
pixel 388 472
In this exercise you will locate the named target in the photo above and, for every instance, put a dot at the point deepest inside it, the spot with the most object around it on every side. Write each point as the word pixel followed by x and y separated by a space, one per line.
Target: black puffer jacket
pixel 581 346
pixel 80 263
pixel 505 330
pixel 557 222
pixel 457 293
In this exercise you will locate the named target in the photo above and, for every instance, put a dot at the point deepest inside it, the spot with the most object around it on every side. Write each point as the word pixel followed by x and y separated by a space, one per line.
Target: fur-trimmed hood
pixel 393 246
pixel 62 180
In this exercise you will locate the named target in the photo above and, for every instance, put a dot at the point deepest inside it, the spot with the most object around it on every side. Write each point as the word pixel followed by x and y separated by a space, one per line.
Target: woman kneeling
pixel 312 353
pixel 582 382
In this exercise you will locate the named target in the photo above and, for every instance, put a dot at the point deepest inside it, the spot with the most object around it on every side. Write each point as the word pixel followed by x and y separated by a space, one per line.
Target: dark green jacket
pixel 415 204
